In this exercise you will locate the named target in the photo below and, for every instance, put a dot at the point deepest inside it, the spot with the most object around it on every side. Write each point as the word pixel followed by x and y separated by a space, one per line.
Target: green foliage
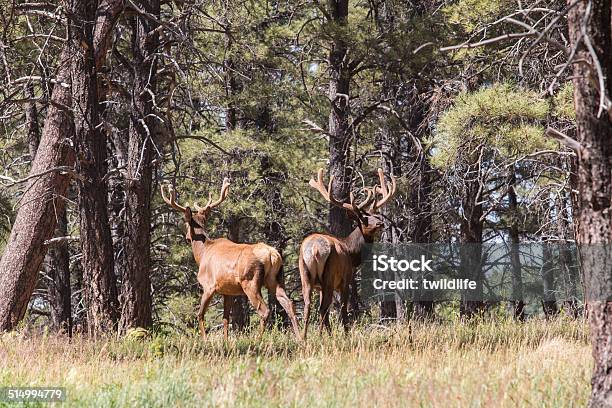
pixel 179 312
pixel 502 117
pixel 6 215
pixel 472 14
pixel 564 102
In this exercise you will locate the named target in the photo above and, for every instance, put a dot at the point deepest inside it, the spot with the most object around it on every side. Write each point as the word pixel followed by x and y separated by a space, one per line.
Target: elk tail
pixel 276 262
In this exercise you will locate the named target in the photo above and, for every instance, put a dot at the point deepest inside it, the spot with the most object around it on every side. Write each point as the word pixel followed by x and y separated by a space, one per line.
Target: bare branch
pixel 564 139
pixel 59 240
pixel 61 169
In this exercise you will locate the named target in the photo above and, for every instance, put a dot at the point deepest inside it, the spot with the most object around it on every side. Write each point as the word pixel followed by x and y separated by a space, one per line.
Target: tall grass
pixel 489 363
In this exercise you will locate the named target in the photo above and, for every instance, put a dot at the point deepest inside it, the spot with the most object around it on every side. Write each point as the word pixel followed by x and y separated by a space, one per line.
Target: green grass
pixel 448 364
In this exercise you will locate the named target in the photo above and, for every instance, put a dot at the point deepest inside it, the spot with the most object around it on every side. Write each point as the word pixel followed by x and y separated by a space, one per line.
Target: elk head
pixel 366 212
pixel 195 222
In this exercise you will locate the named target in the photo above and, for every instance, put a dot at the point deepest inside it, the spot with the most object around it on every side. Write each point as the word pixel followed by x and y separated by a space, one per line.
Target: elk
pixel 231 269
pixel 327 262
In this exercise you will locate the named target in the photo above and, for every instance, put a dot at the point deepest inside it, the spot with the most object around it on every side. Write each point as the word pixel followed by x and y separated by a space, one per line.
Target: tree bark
pixel 100 290
pixel 594 233
pixel 57 261
pixel 25 249
pixel 136 295
pixel 58 270
pixel 35 221
pixel 339 135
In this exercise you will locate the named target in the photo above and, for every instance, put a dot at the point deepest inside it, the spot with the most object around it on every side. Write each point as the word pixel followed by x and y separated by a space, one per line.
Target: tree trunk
pixel 594 233
pixel 57 260
pixel 100 290
pixel 339 135
pixel 35 221
pixel 58 270
pixel 515 256
pixel 471 240
pixel 136 295
pixel 25 249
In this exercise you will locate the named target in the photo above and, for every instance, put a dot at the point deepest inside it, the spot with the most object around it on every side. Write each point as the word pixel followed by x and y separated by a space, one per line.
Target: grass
pixel 497 363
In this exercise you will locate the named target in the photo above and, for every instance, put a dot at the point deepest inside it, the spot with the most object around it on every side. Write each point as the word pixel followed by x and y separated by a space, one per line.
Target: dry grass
pixel 487 364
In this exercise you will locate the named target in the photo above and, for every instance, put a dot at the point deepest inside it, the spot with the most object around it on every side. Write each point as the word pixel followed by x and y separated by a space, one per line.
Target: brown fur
pixel 326 262
pixel 232 269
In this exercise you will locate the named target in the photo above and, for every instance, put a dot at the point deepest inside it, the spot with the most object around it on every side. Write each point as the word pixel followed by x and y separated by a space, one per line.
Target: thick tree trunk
pixel 35 221
pixel 57 260
pixel 136 295
pixel 25 249
pixel 594 233
pixel 100 290
pixel 339 135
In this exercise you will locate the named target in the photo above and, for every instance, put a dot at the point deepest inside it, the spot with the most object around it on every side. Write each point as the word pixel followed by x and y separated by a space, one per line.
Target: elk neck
pixel 199 243
pixel 354 244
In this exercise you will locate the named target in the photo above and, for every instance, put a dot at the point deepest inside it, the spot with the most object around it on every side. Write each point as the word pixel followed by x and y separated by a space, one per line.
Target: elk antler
pixel 210 204
pixel 171 201
pixel 387 191
pixel 326 193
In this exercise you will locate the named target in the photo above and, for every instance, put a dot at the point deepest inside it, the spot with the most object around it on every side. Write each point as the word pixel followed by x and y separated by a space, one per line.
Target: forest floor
pixel 486 364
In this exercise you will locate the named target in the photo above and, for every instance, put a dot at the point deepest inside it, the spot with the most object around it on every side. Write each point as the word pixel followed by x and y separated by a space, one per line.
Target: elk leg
pixel 307 292
pixel 206 297
pixel 287 304
pixel 327 296
pixel 228 301
pixel 254 295
pixel 344 306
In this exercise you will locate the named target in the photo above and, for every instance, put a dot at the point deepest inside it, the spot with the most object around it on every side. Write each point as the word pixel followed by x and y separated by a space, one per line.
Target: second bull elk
pixel 327 262
pixel 231 269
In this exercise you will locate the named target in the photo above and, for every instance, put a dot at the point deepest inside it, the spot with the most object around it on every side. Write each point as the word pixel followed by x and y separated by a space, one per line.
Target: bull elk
pixel 326 262
pixel 231 269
